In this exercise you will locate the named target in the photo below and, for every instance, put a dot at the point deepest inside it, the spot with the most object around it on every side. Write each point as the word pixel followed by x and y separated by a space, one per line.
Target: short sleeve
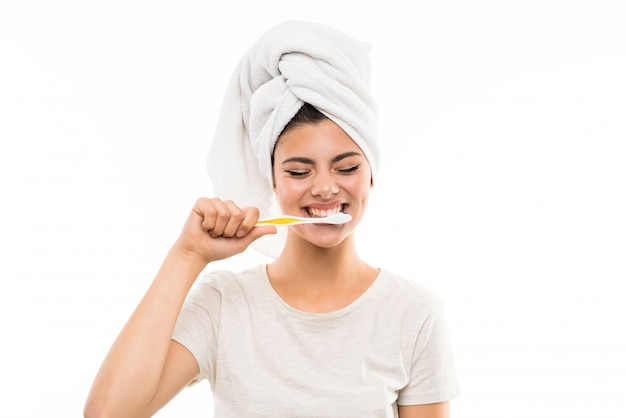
pixel 432 375
pixel 197 326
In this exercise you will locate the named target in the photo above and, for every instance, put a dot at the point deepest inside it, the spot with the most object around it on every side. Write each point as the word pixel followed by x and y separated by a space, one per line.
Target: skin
pixel 317 168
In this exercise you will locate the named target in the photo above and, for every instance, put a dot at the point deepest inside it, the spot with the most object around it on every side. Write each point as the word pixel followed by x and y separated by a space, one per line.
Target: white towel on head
pixel 293 63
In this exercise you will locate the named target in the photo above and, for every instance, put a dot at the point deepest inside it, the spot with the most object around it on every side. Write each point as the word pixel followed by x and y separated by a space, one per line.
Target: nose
pixel 324 186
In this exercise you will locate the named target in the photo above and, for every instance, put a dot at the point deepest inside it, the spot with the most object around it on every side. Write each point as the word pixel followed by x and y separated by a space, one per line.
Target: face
pixel 318 171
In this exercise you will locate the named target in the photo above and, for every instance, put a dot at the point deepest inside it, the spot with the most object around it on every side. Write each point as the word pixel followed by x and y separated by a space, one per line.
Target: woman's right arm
pixel 145 368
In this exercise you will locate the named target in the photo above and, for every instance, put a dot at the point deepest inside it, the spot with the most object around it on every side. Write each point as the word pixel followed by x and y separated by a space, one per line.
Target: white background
pixel 503 185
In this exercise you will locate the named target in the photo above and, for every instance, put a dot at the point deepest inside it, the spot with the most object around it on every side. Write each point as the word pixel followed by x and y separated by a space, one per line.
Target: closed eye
pixel 296 173
pixel 349 169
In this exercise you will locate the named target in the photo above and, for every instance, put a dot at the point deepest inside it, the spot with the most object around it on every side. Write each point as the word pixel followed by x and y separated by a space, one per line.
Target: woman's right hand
pixel 145 367
pixel 217 229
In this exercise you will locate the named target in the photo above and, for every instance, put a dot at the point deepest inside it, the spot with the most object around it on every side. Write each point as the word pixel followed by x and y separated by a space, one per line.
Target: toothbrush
pixel 286 220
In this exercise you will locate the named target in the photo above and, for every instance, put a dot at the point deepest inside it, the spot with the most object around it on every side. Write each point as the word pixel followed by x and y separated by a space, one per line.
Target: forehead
pixel 322 138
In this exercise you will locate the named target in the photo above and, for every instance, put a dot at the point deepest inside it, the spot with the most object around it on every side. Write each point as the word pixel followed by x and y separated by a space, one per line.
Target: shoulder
pixel 410 292
pixel 224 277
pixel 228 281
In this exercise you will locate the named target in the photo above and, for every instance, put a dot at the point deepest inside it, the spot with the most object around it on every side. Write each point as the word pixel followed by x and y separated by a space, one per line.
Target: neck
pixel 317 279
pixel 306 261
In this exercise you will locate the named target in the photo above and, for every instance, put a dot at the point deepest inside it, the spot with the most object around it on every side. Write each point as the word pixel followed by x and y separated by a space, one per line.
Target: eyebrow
pixel 306 160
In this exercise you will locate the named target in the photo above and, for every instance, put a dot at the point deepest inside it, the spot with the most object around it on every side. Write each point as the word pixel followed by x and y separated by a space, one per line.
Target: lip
pixel 325 206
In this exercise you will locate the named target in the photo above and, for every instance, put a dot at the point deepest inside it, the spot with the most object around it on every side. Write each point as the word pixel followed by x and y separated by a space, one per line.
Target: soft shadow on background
pixel 502 188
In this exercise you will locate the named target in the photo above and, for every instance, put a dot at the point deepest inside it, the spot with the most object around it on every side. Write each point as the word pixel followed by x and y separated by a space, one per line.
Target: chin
pixel 325 242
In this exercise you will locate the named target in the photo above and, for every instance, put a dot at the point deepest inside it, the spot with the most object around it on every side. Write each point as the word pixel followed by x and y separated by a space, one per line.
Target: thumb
pixel 258 231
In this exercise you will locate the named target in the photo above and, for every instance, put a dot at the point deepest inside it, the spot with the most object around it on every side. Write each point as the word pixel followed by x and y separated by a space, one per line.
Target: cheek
pixel 358 186
pixel 288 190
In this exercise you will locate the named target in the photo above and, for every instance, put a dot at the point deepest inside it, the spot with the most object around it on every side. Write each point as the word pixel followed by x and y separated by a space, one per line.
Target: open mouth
pixel 321 213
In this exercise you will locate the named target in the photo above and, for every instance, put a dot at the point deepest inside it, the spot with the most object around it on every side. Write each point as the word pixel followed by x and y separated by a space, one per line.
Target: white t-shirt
pixel 264 358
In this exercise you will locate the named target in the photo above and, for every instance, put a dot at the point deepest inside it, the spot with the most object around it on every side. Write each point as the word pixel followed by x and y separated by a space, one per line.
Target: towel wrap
pixel 293 63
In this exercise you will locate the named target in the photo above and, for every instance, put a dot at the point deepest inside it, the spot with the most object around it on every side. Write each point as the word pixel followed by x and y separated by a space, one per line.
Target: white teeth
pixel 322 213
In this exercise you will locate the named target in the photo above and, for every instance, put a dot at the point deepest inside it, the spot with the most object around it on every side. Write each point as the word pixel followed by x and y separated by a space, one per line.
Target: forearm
pixel 130 373
pixel 433 410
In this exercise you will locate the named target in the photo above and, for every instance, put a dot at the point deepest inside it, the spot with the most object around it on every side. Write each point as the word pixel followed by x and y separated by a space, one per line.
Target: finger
pixel 219 217
pixel 251 216
pixel 205 210
pixel 236 216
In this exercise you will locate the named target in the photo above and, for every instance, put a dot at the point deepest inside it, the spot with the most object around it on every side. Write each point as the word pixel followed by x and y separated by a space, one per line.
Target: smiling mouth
pixel 321 213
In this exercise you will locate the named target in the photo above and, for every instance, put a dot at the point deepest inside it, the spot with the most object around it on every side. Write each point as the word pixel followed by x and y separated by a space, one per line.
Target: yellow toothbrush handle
pixel 277 221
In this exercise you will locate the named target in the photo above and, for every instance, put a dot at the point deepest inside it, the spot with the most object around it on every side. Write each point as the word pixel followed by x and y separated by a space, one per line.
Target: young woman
pixel 316 333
